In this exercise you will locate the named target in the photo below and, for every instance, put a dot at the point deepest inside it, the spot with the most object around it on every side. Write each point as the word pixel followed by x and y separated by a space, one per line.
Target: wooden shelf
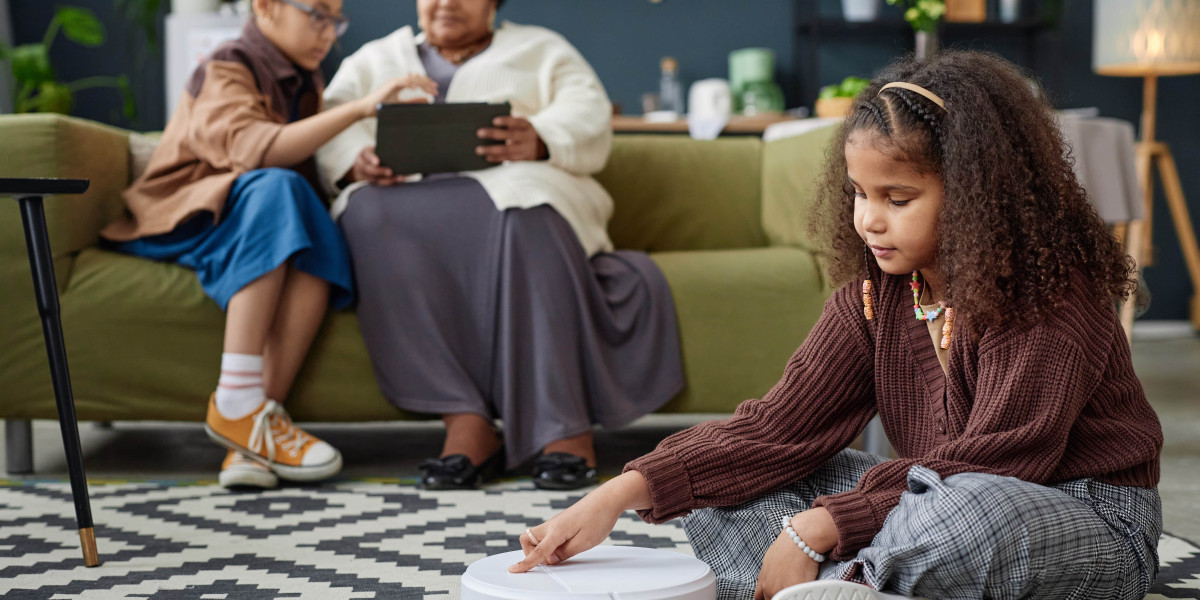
pixel 738 125
pixel 1037 32
pixel 893 26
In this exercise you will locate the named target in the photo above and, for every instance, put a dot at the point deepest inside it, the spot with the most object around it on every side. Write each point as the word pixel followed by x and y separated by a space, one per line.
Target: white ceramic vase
pixel 860 10
pixel 1010 10
pixel 192 7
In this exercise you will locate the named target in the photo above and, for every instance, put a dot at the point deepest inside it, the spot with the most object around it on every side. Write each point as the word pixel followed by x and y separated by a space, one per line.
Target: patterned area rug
pixel 367 539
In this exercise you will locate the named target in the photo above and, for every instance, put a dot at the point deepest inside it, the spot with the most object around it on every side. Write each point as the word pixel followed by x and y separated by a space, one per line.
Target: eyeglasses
pixel 320 19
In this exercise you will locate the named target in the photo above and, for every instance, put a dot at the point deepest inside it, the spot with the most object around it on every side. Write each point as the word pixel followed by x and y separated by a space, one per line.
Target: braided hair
pixel 1015 223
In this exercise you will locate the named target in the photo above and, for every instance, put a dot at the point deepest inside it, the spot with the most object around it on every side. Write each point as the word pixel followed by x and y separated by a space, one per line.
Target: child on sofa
pixel 231 192
pixel 1028 454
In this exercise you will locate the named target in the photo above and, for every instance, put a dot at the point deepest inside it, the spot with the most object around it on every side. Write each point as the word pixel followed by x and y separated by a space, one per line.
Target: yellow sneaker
pixel 268 437
pixel 238 471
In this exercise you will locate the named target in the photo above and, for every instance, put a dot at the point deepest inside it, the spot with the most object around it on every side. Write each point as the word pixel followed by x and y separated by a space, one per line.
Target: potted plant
pixel 924 17
pixel 835 100
pixel 37 85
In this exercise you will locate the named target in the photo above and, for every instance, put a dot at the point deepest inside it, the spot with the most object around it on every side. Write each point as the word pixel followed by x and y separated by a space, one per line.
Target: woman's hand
pixel 521 141
pixel 368 168
pixel 388 92
pixel 784 564
pixel 585 524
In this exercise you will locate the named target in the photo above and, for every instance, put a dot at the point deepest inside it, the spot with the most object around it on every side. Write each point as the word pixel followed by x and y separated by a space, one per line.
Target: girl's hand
pixel 389 91
pixel 785 565
pixel 521 141
pixel 368 168
pixel 584 525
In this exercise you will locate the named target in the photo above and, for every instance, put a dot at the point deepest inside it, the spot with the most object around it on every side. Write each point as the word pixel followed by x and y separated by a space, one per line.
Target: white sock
pixel 240 389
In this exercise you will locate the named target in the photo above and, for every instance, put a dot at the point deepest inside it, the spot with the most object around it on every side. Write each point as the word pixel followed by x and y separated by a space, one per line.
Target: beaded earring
pixel 947 329
pixel 868 309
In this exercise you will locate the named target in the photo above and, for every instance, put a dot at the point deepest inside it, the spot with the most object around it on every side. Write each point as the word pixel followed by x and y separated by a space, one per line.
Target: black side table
pixel 29 193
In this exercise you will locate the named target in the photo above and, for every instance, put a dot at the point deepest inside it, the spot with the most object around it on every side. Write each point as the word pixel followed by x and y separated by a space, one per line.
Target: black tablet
pixel 434 138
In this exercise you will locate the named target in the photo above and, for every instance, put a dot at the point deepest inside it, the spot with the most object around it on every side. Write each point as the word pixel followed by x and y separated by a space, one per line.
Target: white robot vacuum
pixel 602 573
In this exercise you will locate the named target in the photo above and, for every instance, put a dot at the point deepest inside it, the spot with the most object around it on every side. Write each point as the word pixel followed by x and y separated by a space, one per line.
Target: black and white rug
pixel 349 540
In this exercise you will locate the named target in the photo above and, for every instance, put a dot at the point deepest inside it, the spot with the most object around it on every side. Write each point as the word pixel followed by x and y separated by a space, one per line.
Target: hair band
pixel 912 87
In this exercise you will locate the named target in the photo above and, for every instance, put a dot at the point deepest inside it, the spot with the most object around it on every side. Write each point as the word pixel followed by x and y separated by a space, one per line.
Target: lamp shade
pixel 1136 38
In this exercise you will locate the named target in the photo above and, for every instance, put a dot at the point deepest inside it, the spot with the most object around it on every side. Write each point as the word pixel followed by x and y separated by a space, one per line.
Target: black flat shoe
pixel 455 472
pixel 562 471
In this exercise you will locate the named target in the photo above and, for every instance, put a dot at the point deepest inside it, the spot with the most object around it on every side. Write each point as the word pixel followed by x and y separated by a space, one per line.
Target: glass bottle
pixel 670 93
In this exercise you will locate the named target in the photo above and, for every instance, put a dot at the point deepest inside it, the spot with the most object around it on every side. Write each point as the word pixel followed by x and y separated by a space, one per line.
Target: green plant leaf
pixel 81 26
pixel 128 103
pixel 54 97
pixel 851 86
pixel 144 15
pixel 31 64
pixel 827 92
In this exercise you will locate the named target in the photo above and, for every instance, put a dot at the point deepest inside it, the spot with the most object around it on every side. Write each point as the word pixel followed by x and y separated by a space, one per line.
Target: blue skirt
pixel 271 216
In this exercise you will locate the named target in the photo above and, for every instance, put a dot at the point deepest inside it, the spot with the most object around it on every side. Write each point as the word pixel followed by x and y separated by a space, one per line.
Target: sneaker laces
pixel 273 421
pixel 241 460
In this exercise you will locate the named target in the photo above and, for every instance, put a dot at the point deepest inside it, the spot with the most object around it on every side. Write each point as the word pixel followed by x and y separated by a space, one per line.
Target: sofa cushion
pixel 791 167
pixel 675 193
pixel 742 313
pixel 144 343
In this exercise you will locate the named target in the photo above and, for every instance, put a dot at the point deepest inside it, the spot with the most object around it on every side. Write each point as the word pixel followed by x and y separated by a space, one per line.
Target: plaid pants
pixel 966 536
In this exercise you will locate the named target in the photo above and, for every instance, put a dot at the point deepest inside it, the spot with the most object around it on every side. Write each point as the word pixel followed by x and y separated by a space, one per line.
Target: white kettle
pixel 710 98
pixel 710 104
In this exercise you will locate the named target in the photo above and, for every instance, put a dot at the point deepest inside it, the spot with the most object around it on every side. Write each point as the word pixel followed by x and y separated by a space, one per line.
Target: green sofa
pixel 725 220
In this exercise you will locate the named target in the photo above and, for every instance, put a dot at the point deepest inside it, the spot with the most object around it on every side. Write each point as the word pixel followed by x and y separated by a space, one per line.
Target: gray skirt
pixel 468 309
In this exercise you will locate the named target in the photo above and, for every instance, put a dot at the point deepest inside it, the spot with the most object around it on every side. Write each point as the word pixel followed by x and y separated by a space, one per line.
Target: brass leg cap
pixel 87 538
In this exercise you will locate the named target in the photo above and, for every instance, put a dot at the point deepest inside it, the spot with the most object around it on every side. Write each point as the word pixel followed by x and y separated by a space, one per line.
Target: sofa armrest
pixel 49 145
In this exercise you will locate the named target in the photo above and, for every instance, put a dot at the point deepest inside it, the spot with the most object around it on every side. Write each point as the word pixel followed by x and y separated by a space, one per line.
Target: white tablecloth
pixel 1105 164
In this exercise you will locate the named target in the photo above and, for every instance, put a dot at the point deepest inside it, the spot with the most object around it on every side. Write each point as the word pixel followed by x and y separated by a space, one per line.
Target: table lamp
pixel 1152 39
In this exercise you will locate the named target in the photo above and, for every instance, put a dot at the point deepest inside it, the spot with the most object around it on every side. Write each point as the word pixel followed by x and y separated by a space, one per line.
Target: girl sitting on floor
pixel 1028 454
pixel 230 193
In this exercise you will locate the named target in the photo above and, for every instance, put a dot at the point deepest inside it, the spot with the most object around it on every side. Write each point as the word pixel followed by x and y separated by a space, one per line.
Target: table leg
pixel 41 264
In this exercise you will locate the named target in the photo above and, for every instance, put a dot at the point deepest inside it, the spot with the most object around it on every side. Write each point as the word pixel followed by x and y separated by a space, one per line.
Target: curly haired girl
pixel 1027 453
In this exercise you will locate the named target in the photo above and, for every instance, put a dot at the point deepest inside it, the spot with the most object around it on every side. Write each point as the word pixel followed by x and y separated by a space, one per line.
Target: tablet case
pixel 434 138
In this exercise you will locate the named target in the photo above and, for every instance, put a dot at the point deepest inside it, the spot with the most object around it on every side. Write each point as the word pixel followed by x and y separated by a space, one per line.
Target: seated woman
pixel 495 293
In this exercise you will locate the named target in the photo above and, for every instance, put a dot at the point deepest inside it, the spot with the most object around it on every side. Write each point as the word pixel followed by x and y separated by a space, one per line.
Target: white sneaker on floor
pixel 832 590
pixel 244 472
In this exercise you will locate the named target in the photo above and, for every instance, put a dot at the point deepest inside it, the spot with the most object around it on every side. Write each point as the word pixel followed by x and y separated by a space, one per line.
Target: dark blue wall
pixel 624 40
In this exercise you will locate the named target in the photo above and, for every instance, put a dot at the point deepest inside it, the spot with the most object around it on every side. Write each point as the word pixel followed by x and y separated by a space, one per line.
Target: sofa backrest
pixel 790 170
pixel 671 192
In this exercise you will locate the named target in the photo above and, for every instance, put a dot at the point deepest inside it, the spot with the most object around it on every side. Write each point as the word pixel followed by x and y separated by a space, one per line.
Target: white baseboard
pixel 1157 331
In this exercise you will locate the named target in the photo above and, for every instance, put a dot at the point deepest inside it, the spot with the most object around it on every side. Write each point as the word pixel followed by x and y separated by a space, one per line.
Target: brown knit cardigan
pixel 1044 402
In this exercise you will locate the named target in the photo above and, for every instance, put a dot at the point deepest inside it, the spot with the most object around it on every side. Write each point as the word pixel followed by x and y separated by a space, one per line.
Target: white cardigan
pixel 544 78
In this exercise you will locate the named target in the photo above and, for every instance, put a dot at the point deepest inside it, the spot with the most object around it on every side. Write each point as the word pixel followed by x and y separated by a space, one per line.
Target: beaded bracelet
pixel 787 526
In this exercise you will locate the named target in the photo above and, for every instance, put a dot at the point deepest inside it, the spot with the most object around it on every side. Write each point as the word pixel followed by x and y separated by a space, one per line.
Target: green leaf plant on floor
pixel 37 86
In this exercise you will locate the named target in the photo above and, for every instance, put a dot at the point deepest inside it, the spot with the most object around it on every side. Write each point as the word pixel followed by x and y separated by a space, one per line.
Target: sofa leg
pixel 18 446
